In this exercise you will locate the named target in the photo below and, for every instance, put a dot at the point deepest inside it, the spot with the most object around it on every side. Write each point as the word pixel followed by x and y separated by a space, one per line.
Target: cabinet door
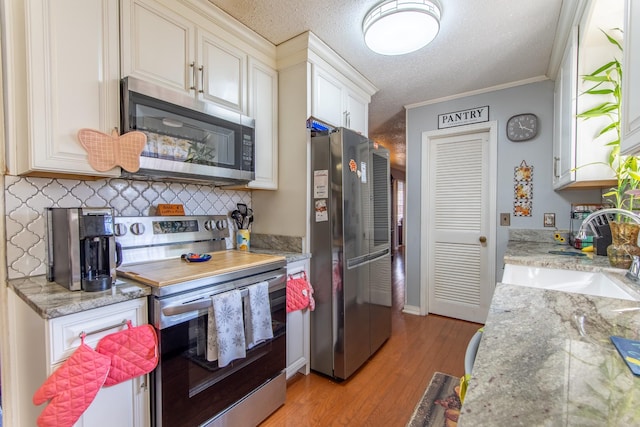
pixel 564 131
pixel 631 83
pixel 263 107
pixel 357 113
pixel 72 83
pixel 124 404
pixel 158 45
pixel 221 72
pixel 298 326
pixel 327 98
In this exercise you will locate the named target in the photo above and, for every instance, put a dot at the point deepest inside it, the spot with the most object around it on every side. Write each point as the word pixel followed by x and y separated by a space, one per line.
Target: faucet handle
pixel 634 270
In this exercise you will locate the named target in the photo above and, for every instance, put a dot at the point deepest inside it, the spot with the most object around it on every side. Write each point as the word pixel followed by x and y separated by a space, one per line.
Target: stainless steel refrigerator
pixel 351 256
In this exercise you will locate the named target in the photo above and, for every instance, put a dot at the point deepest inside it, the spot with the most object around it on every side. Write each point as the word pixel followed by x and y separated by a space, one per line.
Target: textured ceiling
pixel 482 43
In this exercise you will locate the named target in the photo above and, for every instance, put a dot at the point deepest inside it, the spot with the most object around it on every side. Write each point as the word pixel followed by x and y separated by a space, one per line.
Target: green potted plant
pixel 606 81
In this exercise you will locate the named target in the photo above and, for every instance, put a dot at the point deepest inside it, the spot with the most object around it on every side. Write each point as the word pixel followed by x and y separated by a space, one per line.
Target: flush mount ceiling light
pixel 396 27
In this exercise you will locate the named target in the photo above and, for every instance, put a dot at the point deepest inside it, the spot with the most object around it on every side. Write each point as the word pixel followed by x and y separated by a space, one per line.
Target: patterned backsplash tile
pixel 27 198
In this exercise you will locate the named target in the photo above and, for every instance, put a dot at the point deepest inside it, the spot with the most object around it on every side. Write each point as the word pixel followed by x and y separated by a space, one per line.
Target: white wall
pixel 534 98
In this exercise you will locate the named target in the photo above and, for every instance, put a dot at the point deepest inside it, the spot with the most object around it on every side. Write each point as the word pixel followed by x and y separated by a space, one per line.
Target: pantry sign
pixel 464 117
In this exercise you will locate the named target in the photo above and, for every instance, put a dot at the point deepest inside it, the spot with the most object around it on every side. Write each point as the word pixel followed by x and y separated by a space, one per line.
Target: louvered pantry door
pixel 459 269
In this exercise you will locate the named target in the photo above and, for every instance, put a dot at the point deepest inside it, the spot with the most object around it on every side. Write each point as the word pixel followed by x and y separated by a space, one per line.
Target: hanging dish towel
pixel 257 315
pixel 229 330
pixel 212 336
pixel 133 352
pixel 72 387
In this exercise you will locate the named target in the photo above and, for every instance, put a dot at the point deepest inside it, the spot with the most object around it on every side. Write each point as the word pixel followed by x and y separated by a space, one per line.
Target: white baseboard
pixel 411 309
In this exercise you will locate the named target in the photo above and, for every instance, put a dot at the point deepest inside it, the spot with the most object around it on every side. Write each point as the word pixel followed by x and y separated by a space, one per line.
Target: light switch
pixel 505 219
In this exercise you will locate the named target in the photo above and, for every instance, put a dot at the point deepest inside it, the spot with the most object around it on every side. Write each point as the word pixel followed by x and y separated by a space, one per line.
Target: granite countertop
pixel 290 256
pixel 546 358
pixel 51 300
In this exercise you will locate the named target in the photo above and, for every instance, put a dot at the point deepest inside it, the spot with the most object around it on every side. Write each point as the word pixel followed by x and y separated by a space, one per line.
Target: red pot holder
pixel 133 352
pixel 299 293
pixel 72 387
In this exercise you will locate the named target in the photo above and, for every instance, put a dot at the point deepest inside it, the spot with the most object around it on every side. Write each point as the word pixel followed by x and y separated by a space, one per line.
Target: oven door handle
pixel 204 303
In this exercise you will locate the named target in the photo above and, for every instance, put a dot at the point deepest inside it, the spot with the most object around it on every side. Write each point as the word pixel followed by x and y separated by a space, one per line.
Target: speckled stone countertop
pixel 546 359
pixel 290 256
pixel 51 300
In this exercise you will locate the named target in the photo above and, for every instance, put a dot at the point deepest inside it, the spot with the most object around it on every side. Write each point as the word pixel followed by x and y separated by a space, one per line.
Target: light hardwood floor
pixel 386 389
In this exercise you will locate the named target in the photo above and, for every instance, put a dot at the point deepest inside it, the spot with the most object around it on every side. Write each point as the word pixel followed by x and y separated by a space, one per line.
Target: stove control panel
pixel 154 238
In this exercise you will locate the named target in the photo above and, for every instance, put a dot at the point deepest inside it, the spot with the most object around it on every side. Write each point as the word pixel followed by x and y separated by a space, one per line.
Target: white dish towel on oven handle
pixel 257 315
pixel 226 337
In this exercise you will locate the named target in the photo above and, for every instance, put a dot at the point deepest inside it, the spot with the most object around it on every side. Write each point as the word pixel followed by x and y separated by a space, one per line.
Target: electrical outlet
pixel 505 219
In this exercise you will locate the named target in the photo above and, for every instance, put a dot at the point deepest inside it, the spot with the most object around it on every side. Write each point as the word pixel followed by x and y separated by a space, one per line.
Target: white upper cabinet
pixel 564 126
pixel 631 83
pixel 580 156
pixel 222 71
pixel 167 47
pixel 61 75
pixel 263 107
pixel 158 45
pixel 338 104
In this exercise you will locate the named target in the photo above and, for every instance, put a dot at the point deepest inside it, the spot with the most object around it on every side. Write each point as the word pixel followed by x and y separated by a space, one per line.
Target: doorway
pixel 458 210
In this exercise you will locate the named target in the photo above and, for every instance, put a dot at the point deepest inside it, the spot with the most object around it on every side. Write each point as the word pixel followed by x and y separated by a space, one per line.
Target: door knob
pixel 483 239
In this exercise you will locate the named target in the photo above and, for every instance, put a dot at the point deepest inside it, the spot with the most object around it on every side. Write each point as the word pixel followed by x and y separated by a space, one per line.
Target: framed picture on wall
pixel 549 220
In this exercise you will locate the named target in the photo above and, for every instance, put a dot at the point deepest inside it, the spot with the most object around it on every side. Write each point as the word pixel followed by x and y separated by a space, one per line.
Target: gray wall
pixel 534 98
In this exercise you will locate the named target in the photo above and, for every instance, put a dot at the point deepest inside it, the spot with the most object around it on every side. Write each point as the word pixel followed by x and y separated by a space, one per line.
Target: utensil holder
pixel 243 239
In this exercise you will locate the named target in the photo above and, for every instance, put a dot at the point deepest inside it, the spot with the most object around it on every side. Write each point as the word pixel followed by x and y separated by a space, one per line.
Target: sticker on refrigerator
pixel 363 170
pixel 321 184
pixel 321 210
pixel 353 166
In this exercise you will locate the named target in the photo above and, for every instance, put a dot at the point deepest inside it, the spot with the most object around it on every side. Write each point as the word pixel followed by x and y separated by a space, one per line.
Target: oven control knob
pixel 222 224
pixel 137 228
pixel 119 229
pixel 209 225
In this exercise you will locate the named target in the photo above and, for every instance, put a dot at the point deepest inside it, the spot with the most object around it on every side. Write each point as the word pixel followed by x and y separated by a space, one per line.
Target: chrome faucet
pixel 601 217
pixel 634 271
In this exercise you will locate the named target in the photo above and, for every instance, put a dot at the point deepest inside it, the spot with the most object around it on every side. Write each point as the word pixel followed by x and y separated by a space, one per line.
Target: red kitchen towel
pixel 72 387
pixel 299 293
pixel 132 352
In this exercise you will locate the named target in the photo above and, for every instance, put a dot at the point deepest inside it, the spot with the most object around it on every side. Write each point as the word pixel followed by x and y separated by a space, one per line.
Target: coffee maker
pixel 83 254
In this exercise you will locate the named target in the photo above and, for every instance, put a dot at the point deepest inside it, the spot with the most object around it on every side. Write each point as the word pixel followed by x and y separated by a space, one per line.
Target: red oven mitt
pixel 299 293
pixel 72 387
pixel 133 352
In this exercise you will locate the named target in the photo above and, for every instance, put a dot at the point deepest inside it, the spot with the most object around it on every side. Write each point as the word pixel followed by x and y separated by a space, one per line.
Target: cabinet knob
pixel 482 239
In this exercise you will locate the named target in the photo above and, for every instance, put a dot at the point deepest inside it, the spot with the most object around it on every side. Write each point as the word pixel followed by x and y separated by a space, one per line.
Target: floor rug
pixel 440 403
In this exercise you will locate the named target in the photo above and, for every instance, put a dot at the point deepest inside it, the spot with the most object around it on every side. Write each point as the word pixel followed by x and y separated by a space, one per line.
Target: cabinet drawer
pixel 65 331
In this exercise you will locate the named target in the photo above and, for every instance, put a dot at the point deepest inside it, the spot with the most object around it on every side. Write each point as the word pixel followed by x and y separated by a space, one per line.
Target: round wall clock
pixel 522 127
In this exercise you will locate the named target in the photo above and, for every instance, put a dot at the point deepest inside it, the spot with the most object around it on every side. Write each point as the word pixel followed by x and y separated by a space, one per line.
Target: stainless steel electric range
pixel 188 390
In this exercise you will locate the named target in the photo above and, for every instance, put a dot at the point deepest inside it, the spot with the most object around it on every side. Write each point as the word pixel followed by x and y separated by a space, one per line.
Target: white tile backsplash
pixel 27 198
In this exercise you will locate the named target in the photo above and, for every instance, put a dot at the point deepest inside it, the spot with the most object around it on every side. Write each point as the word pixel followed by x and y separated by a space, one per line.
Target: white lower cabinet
pixel 40 346
pixel 298 344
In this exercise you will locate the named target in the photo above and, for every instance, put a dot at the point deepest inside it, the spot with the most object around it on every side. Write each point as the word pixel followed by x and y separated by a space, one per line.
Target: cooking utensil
pixel 242 208
pixel 238 218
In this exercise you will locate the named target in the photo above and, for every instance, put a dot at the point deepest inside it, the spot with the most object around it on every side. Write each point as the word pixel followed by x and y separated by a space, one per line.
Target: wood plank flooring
pixel 386 389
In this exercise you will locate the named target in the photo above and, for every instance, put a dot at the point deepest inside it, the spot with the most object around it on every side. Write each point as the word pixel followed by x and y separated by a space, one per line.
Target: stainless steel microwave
pixel 187 139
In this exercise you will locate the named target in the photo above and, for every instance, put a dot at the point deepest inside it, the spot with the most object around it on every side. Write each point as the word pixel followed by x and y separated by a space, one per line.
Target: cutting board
pixel 172 271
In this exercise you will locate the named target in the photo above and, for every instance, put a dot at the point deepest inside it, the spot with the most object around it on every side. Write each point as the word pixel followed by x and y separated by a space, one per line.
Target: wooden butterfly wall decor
pixel 108 151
